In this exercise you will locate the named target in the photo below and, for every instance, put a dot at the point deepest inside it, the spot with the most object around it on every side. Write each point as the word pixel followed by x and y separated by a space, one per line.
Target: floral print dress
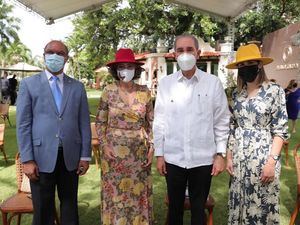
pixel 254 124
pixel 126 187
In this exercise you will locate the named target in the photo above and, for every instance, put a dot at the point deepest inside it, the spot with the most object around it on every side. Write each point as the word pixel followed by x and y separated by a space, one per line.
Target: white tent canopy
pixel 55 9
pixel 23 67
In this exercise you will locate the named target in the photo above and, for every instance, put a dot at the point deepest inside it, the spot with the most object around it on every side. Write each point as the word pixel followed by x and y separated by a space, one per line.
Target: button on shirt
pixel 191 119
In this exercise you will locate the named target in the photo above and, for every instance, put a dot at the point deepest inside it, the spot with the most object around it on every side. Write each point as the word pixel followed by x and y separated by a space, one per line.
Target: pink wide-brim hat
pixel 124 55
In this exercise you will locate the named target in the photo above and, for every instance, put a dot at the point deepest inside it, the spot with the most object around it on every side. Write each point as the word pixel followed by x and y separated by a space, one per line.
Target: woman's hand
pixel 229 166
pixel 229 163
pixel 268 171
pixel 149 158
pixel 108 152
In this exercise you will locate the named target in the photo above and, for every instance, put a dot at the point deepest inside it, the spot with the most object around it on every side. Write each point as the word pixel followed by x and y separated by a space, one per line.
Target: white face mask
pixel 186 61
pixel 126 75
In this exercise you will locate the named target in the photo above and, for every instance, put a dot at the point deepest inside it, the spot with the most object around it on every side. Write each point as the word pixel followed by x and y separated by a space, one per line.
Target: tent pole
pixel 231 31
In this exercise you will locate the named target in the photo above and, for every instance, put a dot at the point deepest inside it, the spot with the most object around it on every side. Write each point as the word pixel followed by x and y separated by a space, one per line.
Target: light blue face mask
pixel 54 62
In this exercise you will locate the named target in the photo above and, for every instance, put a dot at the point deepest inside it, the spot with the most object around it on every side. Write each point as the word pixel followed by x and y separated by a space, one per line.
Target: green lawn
pixel 89 189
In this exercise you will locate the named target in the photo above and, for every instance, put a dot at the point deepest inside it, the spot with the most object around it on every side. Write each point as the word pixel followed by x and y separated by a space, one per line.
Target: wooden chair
pixel 209 206
pixel 285 147
pixel 2 130
pixel 4 112
pixel 20 203
pixel 297 164
pixel 95 144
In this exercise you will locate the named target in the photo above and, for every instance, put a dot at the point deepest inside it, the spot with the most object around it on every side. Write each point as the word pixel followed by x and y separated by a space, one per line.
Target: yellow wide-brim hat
pixel 248 53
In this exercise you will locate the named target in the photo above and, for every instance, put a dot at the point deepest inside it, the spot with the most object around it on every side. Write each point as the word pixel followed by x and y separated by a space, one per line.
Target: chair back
pixel 94 132
pixel 2 129
pixel 22 181
pixel 4 109
pixel 297 164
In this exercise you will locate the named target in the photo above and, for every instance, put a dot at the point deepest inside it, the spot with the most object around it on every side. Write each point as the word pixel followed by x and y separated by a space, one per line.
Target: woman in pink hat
pixel 124 126
pixel 258 127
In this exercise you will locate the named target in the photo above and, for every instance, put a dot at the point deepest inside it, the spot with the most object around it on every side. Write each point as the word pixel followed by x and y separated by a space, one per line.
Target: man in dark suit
pixel 12 88
pixel 54 136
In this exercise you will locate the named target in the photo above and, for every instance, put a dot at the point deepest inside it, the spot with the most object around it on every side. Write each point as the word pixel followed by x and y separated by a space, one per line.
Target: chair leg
pixel 4 218
pixel 6 117
pixel 4 154
pixel 96 155
pixel 210 217
pixel 294 214
pixel 286 149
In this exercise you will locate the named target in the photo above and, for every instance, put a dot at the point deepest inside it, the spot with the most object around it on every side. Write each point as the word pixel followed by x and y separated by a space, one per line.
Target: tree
pixel 266 17
pixel 18 52
pixel 137 25
pixel 8 29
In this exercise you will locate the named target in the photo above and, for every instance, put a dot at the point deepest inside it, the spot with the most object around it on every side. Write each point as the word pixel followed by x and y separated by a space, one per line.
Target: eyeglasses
pixel 61 53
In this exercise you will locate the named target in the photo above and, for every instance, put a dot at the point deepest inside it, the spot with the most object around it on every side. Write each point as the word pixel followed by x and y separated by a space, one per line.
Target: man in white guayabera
pixel 191 125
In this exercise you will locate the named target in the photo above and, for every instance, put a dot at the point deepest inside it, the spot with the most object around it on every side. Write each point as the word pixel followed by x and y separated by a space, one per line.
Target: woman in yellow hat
pixel 259 125
pixel 124 126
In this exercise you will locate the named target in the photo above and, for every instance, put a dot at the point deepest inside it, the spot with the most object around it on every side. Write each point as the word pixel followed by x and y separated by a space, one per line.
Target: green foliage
pixel 12 50
pixel 8 26
pixel 266 17
pixel 18 52
pixel 139 24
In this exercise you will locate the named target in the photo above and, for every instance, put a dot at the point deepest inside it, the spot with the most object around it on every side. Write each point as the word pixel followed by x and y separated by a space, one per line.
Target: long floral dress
pixel 254 124
pixel 126 187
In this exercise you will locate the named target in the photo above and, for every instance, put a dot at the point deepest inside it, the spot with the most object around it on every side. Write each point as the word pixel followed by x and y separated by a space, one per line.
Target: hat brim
pixel 124 61
pixel 264 60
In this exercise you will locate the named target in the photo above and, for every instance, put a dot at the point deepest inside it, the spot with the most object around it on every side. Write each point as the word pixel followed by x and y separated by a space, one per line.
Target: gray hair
pixel 186 36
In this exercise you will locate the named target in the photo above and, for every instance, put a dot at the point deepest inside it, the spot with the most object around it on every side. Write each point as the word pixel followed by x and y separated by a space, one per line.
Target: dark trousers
pixel 43 195
pixel 198 180
pixel 13 97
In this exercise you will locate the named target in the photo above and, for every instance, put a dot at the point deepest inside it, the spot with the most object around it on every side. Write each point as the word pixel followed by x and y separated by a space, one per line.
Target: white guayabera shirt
pixel 191 119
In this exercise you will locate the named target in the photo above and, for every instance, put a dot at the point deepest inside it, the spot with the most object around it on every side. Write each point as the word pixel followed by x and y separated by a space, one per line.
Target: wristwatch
pixel 275 157
pixel 223 155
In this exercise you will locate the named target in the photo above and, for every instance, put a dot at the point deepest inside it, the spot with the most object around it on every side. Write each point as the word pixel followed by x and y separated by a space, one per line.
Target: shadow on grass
pixel 4 164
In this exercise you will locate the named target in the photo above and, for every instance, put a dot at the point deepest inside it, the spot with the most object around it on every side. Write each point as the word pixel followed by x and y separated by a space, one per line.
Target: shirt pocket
pixel 203 103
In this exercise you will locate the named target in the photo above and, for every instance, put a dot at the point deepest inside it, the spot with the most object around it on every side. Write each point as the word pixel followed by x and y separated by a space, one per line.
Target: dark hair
pixel 113 71
pixel 291 84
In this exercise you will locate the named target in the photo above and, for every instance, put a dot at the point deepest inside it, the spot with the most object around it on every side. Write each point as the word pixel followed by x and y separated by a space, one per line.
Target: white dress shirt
pixel 191 119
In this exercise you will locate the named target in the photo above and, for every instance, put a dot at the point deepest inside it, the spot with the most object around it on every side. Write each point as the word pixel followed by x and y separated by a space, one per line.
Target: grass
pixel 89 187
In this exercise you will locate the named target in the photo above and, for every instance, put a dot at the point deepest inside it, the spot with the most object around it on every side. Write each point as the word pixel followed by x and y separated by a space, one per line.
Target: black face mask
pixel 248 73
